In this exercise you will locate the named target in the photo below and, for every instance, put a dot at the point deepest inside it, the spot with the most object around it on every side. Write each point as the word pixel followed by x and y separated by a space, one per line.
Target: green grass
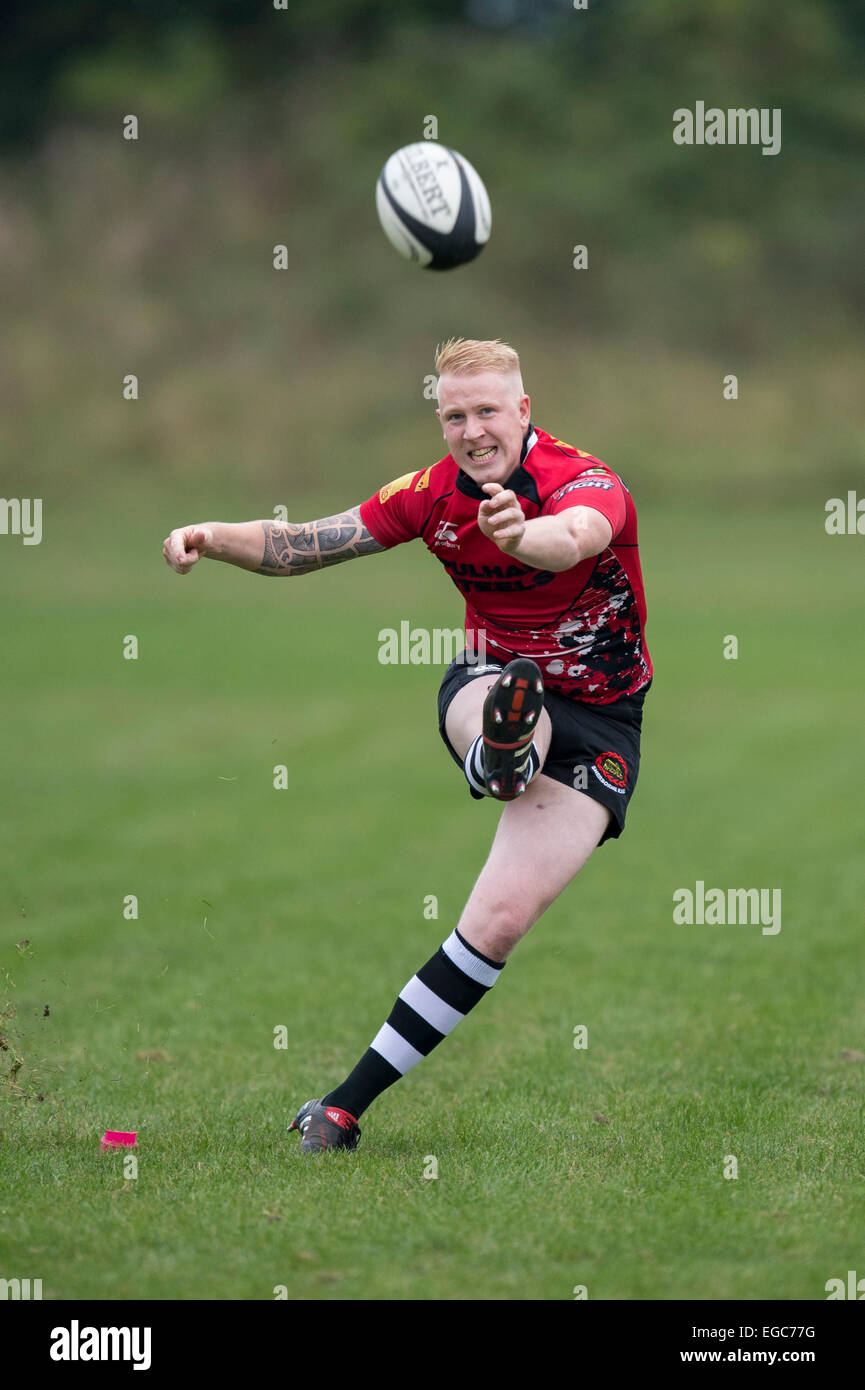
pixel 305 907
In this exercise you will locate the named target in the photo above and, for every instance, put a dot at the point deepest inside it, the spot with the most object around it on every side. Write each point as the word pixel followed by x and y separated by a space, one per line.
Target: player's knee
pixel 505 924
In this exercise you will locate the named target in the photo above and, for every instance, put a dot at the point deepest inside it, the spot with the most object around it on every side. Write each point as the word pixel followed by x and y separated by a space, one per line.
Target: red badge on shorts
pixel 612 769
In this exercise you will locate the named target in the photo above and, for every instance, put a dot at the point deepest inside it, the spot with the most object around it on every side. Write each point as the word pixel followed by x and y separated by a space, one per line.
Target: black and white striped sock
pixel 473 766
pixel 433 1002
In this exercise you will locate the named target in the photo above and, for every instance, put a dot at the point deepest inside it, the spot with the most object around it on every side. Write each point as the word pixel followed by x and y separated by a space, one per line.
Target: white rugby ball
pixel 433 206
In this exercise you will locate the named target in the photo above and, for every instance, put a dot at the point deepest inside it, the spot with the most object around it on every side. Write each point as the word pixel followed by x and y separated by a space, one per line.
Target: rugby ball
pixel 433 206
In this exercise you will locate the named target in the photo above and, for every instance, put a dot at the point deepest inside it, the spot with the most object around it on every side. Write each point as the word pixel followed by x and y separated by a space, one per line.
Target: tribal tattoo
pixel 291 549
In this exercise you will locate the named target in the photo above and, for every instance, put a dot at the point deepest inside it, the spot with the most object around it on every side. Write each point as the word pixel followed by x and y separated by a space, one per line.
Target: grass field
pixel 304 907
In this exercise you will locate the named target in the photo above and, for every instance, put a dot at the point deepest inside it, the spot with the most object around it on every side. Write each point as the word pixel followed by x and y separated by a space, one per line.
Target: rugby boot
pixel 511 712
pixel 324 1127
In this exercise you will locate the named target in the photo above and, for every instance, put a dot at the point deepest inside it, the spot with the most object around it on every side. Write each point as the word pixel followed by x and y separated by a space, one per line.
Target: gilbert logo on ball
pixel 433 206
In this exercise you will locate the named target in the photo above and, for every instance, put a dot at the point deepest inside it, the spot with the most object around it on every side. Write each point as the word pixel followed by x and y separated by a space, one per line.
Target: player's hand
pixel 500 517
pixel 186 546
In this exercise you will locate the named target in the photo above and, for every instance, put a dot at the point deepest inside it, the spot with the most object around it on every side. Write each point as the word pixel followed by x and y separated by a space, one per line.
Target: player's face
pixel 484 419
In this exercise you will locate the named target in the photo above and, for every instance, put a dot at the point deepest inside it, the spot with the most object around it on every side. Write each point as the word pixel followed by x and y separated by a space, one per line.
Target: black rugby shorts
pixel 594 748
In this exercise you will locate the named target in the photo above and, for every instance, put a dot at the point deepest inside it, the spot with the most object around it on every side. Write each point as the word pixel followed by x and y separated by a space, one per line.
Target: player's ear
pixel 525 410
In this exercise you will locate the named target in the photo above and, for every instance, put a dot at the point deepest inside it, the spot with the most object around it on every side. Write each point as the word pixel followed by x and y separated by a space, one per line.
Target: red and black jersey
pixel 583 626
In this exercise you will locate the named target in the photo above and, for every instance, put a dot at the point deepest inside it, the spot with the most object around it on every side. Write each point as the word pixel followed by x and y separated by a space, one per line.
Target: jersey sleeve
pixel 598 488
pixel 394 514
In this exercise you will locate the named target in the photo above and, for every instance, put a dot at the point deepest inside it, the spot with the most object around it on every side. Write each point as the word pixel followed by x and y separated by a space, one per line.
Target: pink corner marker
pixel 116 1139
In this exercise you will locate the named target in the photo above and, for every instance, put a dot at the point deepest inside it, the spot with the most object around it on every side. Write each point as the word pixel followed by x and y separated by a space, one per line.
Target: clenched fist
pixel 500 517
pixel 186 546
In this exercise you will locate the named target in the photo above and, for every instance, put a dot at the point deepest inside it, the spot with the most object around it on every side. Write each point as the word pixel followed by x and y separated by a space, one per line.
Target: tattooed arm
pixel 272 547
pixel 292 549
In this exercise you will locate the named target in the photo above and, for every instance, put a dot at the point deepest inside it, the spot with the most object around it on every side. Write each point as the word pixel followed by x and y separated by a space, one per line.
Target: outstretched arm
pixel 272 547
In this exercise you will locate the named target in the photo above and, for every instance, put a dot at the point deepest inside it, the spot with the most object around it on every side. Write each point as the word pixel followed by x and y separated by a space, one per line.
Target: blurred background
pixel 304 388
pixel 260 127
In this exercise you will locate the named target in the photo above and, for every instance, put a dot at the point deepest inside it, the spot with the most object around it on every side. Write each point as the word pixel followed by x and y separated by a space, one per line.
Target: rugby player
pixel 541 540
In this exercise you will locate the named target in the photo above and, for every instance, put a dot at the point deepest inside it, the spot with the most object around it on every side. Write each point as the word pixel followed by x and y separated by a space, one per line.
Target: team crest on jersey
pixel 398 485
pixel 612 770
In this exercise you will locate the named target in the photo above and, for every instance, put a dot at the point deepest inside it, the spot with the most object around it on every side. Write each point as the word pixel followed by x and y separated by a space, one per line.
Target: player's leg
pixel 542 841
pixel 496 727
pixel 544 838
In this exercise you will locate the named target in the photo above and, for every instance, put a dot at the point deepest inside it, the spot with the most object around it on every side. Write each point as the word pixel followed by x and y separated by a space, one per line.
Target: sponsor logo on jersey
pixel 489 579
pixel 589 482
pixel 446 535
pixel 398 485
pixel 583 481
pixel 612 770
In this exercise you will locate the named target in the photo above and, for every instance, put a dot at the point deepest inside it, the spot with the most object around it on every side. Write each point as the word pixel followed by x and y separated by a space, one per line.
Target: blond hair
pixel 468 356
